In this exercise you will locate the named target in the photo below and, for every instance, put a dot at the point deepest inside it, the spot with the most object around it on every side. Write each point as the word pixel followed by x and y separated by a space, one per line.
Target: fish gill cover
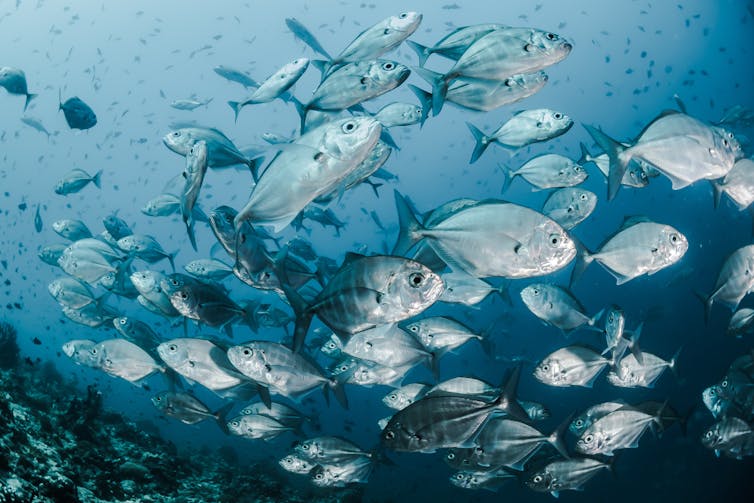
pixel 350 251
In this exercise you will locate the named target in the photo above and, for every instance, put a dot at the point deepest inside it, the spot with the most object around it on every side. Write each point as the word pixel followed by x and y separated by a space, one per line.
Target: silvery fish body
pixel 461 288
pixel 14 81
pixel 620 429
pixel 455 43
pixel 440 334
pixel 570 206
pixel 314 165
pixel 570 366
pixel 76 180
pixel 569 474
pixel 550 171
pixel 79 350
pixel 489 480
pixel 405 395
pixel 741 322
pixel 399 114
pixel 555 306
pixel 593 413
pixel 124 359
pixel 638 248
pixel 201 361
pixel 220 149
pixel 731 436
pixel 196 168
pixel 380 38
pixel 71 229
pixel 629 373
pixel 387 345
pixel 256 427
pixel 738 184
pixel 735 280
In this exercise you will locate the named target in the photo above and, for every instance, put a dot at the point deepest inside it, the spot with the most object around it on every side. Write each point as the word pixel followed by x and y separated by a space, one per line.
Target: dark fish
pixel 38 221
pixel 14 81
pixel 78 114
pixel 303 34
pixel 234 75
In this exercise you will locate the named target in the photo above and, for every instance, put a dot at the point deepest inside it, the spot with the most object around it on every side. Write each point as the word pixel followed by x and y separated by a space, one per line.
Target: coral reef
pixel 58 445
pixel 9 351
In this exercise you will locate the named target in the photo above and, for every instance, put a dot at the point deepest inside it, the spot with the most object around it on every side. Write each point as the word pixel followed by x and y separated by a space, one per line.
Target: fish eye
pixel 724 384
pixel 403 15
pixel 582 197
pixel 247 351
pixel 235 423
pixel 184 295
pixel 558 115
pixel 535 291
pixel 674 238
pixel 386 32
pixel 393 396
pixel 158 398
pixel 577 168
pixel 348 127
pixel 579 422
pixel 416 279
pixel 122 321
pixel 414 328
pixel 176 134
pixel 554 239
pixel 588 439
pixel 478 450
pixel 389 435
pixel 459 476
pixel 725 143
pixel 546 367
pixel 451 456
pixel 173 347
pixel 305 447
pixel 537 479
pixel 551 36
pixel 93 351
pixel 388 65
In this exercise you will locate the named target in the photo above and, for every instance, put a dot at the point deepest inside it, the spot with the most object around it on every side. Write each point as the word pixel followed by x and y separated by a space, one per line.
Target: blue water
pixel 629 59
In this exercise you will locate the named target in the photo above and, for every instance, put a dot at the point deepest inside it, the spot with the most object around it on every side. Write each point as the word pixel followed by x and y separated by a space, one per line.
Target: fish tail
pixel 507 400
pixel 557 437
pixel 386 137
pixel 433 364
pixel 410 228
pixel 171 259
pixel 248 315
pixel 583 258
pixel 221 416
pixel 374 186
pixel 199 215
pixel 322 65
pixel 585 155
pixel 29 97
pixel 422 51
pixel 507 177
pixel 236 106
pixel 97 179
pixel 707 300
pixel 504 292
pixel 297 302
pixel 618 164
pixel 594 319
pixel 482 142
pixel 674 360
pixel 425 99
pixel 301 109
pixel 717 191
pixel 439 84
pixel 337 386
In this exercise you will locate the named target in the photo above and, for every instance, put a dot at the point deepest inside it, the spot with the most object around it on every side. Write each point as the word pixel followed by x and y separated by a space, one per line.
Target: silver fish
pixel 36 124
pixel 71 292
pixel 639 247
pixel 556 306
pixel 208 269
pixel 441 334
pixel 735 280
pixel 399 114
pixel 681 147
pixel 490 238
pixel 461 288
pixel 586 418
pixel 256 427
pixel 235 75
pixel 570 474
pixel 296 464
pixel 524 128
pixel 71 229
pixel 741 322
pixel 78 350
pixel 637 174
pixel 221 150
pixel 570 366
pixel 124 359
pixel 189 104
pixel 196 168
pixel 732 436
pixel 353 471
pixel 275 85
pixel 549 171
pixel 387 345
pixel 136 331
pixel 620 429
pixel 489 480
pixel 455 43
pixel 146 248
pixel 405 395
pixel 738 184
pixel 629 373
pixel 188 409
pixel 570 206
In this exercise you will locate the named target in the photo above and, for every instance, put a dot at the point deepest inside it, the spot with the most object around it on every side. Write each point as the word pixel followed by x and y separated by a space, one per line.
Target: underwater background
pixel 129 60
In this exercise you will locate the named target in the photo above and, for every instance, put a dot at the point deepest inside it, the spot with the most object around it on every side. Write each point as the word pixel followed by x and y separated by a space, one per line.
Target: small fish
pixel 738 184
pixel 78 114
pixel 234 75
pixel 35 124
pixel 556 306
pixel 14 81
pixel 570 366
pixel 741 323
pixel 37 220
pixel 565 475
pixel 570 206
pixel 548 171
pixel 71 229
pixel 76 180
pixel 275 86
pixel 196 168
pixel 189 104
pixel 208 269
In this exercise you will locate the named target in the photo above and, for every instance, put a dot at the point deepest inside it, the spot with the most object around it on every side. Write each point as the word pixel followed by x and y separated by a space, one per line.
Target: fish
pixel 78 114
pixel 388 345
pixel 557 307
pixel 328 450
pixel 620 429
pixel 488 480
pixel 639 247
pixel 37 220
pixel 404 396
pixel 188 409
pixel 629 373
pixel 548 171
pixel 303 34
pixel 146 248
pixel 500 54
pixel 485 95
pixel 564 475
pixel 296 464
pixel 14 81
pixel 256 427
pixel 71 292
pixel 741 322
pixel 76 180
pixel 204 362
pixel 196 168
pixel 442 334
pixel 679 146
pixel 275 86
pixel 455 43
pixel 734 282
pixel 731 436
pixel 353 83
pixel 169 204
pixel 189 104
pixel 221 152
pixel 490 238
pixel 461 288
pixel 138 332
pixel 71 229
pixel 569 206
pixel 441 421
pixel 315 164
pixel 208 304
pixel 524 128
pixel 353 471
pixel 283 371
pixel 79 350
pixel 50 254
pixel 570 366
pixel 36 124
pixel 234 75
pixel 124 359
pixel 582 421
pixel 364 293
pixel 208 269
pixel 637 174
pixel 282 413
pixel 400 114
pixel 738 184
